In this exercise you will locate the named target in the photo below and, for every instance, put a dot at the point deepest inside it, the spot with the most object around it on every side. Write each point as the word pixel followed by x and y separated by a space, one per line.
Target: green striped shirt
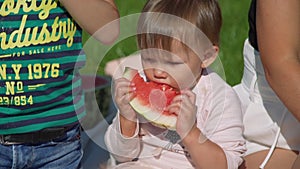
pixel 40 57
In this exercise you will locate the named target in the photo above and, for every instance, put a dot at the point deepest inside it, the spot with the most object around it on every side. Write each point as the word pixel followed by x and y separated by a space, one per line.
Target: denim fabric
pixel 62 153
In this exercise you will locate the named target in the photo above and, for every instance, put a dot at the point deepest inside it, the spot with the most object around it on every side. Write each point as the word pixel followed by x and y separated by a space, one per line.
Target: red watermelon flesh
pixel 151 100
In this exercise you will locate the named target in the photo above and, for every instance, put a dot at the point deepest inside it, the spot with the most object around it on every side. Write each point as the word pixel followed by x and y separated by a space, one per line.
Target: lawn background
pixel 234 32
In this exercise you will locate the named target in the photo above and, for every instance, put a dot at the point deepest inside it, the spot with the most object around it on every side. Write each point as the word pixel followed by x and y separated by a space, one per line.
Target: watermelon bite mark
pixel 152 99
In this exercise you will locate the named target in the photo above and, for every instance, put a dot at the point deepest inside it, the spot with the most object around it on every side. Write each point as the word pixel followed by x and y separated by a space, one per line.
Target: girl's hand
pixel 124 92
pixel 184 106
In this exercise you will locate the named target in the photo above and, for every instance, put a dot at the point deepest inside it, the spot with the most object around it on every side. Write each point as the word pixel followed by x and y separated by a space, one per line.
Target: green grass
pixel 234 32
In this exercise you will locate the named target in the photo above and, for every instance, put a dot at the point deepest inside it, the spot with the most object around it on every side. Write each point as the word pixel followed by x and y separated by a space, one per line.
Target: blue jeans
pixel 62 153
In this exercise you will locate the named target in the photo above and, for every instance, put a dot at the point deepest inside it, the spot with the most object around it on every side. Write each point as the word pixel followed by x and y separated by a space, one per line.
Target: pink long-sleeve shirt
pixel 219 117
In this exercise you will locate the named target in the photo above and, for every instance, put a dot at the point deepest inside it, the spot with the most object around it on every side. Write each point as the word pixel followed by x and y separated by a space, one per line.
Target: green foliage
pixel 234 32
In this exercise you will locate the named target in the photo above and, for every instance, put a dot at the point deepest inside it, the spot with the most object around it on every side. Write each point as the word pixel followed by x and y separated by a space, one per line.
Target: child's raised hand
pixel 124 92
pixel 184 106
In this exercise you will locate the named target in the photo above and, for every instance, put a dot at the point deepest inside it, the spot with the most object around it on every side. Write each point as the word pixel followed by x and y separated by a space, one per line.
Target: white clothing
pixel 264 113
pixel 219 117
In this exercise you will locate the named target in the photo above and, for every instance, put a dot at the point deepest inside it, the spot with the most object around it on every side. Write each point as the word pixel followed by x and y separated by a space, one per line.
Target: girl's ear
pixel 210 56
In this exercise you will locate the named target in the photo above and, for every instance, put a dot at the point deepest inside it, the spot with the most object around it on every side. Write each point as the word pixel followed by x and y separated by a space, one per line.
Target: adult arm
pixel 278 34
pixel 93 15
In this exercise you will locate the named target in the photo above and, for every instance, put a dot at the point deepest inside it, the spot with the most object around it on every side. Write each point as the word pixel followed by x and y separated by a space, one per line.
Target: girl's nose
pixel 159 74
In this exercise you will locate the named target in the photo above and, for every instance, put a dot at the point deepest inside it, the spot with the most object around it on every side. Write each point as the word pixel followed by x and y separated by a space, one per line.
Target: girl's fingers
pixel 183 102
pixel 191 96
pixel 123 86
pixel 126 98
pixel 182 98
pixel 124 91
pixel 124 95
pixel 122 82
pixel 174 108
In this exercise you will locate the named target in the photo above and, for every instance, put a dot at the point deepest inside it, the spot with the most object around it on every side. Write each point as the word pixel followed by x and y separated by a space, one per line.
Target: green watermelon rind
pixel 151 115
pixel 160 120
pixel 129 73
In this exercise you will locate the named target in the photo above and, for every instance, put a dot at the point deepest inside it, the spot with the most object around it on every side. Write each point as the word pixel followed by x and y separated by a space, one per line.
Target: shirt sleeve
pixel 229 133
pixel 121 148
pixel 220 119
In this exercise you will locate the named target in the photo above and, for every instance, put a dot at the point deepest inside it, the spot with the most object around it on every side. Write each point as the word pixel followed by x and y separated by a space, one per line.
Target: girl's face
pixel 179 69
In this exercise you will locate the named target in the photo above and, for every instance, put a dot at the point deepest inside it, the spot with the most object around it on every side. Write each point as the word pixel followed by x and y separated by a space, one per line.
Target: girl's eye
pixel 174 63
pixel 149 60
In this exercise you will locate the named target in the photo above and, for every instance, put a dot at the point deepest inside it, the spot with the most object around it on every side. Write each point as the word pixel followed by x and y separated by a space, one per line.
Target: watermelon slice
pixel 151 100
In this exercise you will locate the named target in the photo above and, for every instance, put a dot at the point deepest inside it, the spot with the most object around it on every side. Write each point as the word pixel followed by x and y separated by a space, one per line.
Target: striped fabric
pixel 40 57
